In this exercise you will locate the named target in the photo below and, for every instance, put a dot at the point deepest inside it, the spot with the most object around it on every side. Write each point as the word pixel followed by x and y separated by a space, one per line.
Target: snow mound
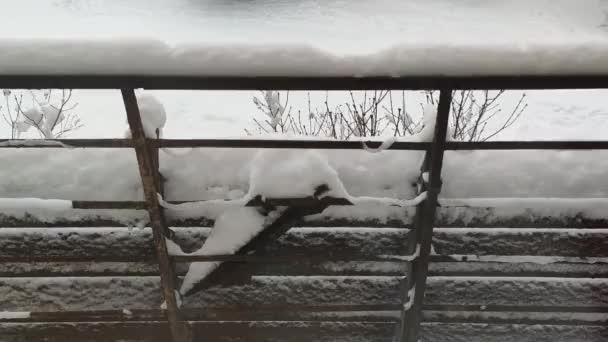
pixel 153 115
pixel 293 174
pixel 232 230
pixel 426 133
pixel 135 56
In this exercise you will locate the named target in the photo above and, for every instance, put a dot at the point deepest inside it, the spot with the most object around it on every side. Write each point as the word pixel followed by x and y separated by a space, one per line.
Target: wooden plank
pixel 304 83
pixel 416 285
pixel 149 176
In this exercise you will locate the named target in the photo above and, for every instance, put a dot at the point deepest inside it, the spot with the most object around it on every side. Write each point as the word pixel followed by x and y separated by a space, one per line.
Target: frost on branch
pixel 49 113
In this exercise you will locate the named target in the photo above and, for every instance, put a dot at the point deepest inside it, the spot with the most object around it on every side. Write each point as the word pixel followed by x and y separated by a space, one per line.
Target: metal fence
pixel 147 156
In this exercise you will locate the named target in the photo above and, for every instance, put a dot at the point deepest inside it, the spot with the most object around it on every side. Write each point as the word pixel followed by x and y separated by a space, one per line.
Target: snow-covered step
pixel 101 293
pixel 521 241
pixel 136 244
pixel 106 293
pixel 529 266
pixel 541 291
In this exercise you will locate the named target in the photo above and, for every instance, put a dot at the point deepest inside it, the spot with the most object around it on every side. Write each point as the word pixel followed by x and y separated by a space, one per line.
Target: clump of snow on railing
pixel 424 135
pixel 34 203
pixel 34 142
pixel 366 200
pixel 292 174
pixel 153 116
pixel 410 298
pixel 178 300
pixel 8 315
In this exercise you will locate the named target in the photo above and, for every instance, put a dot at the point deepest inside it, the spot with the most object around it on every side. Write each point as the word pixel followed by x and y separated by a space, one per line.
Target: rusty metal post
pixel 149 176
pixel 423 227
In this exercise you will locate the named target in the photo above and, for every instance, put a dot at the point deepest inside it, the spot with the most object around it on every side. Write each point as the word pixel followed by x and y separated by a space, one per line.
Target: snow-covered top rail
pixel 131 63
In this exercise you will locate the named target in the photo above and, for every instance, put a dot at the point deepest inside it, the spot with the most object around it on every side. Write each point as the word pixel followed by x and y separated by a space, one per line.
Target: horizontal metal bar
pixel 295 312
pixel 528 145
pixel 517 308
pixel 310 144
pixel 66 143
pixel 335 257
pixel 212 314
pixel 304 83
pixel 133 205
pixel 293 202
pixel 561 318
pixel 287 258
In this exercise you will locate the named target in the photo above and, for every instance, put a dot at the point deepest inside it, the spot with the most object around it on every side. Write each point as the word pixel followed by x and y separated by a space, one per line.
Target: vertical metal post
pixel 423 227
pixel 148 169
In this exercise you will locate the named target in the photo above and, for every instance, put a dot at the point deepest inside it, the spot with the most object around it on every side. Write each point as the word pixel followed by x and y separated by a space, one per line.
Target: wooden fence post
pixel 415 282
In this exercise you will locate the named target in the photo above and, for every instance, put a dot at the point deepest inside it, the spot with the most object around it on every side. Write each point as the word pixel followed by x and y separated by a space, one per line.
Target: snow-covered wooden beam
pixel 148 169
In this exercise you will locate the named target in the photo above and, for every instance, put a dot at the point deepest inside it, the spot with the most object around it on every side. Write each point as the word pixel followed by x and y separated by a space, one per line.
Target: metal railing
pixel 147 155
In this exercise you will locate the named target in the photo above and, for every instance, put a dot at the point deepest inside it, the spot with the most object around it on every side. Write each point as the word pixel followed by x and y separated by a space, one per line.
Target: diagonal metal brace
pixel 151 182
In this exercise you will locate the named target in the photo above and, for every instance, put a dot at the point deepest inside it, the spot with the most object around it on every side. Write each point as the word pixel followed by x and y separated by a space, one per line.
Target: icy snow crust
pixel 583 54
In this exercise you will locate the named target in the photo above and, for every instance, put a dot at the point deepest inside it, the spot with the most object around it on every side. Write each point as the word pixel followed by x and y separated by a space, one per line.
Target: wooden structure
pixel 353 291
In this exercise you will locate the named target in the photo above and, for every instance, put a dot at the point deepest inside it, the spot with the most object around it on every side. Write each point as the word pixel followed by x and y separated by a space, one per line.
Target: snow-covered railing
pixel 419 245
pixel 329 82
pixel 308 144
